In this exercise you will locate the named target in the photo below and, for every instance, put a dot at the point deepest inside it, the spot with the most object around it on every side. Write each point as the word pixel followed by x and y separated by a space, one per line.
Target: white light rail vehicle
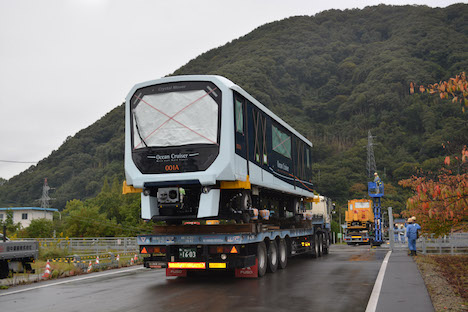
pixel 200 148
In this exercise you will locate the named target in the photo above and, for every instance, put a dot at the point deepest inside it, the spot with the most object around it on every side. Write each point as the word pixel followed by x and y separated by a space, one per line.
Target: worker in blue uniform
pixel 395 233
pixel 412 233
pixel 377 182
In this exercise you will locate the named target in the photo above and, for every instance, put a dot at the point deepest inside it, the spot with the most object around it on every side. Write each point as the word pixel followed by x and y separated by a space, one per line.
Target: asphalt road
pixel 340 281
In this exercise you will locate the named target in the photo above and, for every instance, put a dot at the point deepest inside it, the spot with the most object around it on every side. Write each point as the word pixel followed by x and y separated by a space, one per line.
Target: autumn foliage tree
pixel 455 89
pixel 439 203
pixel 440 200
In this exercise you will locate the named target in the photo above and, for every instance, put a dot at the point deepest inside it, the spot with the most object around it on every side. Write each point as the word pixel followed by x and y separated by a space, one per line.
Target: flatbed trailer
pixel 250 250
pixel 16 256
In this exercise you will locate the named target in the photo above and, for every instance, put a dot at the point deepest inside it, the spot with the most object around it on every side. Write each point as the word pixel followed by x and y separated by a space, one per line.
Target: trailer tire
pixel 317 245
pixel 325 244
pixel 282 254
pixel 4 269
pixel 320 242
pixel 261 259
pixel 272 257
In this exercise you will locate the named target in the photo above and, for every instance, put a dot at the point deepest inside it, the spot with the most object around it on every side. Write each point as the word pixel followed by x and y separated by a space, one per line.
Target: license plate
pixel 187 253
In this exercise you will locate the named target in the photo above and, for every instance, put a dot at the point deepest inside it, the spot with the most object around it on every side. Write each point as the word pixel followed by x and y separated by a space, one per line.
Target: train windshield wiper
pixel 138 128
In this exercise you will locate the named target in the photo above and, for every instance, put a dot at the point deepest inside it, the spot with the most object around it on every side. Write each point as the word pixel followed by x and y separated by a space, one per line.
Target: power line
pixel 18 161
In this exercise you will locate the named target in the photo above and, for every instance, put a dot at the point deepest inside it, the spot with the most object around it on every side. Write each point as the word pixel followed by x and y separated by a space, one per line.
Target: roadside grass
pixel 62 269
pixel 52 252
pixel 446 279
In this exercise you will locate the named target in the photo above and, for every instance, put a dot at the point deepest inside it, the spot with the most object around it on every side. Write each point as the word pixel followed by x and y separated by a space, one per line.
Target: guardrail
pixel 456 243
pixel 88 245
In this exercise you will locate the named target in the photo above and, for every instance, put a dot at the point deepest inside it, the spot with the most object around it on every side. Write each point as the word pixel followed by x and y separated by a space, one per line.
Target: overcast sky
pixel 66 63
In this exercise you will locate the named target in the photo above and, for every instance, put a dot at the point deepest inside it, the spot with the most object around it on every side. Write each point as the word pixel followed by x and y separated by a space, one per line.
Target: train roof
pixel 228 83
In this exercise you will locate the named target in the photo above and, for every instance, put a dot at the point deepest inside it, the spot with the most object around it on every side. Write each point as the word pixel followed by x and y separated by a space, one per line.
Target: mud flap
pixel 249 272
pixel 176 272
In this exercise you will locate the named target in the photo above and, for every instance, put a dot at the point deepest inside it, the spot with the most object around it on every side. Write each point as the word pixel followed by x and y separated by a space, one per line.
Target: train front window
pixel 163 117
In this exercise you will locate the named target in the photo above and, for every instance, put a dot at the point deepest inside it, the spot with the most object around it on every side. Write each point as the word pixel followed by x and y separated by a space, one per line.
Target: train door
pixel 240 126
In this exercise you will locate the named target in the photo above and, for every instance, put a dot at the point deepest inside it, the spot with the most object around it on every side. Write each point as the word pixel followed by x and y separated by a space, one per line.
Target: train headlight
pixel 146 192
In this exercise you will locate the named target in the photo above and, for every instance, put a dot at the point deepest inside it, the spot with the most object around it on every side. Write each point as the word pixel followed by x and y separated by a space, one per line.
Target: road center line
pixel 374 298
pixel 72 280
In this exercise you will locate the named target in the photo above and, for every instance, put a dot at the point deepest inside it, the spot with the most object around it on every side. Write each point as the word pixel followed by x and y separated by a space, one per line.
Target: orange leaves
pixel 441 202
pixel 436 192
pixel 455 88
pixel 447 161
pixel 443 86
pixel 464 154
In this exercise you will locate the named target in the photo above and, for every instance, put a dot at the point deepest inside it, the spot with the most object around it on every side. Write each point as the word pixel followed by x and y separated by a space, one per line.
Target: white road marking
pixel 374 298
pixel 72 280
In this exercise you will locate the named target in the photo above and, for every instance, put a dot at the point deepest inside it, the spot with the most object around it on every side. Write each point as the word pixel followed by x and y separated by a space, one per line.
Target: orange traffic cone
pixel 132 262
pixel 118 258
pixel 135 258
pixel 90 267
pixel 97 260
pixel 47 270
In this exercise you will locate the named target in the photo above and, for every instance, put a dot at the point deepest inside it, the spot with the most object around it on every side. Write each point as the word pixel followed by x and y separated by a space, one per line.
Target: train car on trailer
pixel 201 147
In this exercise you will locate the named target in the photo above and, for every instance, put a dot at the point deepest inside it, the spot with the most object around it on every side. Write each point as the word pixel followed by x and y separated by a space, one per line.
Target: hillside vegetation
pixel 333 76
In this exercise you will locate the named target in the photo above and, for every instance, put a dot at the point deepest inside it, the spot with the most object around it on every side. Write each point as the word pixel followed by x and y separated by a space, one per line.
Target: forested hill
pixel 333 76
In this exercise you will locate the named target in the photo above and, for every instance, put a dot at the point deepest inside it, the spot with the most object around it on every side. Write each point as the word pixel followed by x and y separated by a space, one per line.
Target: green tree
pixel 40 228
pixel 84 220
pixel 11 227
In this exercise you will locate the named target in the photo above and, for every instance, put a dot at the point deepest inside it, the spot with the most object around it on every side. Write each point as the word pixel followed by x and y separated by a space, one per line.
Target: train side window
pixel 239 117
pixel 308 157
pixel 281 142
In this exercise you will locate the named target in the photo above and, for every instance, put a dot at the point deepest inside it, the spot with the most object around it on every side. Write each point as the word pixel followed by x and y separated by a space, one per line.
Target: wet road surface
pixel 340 281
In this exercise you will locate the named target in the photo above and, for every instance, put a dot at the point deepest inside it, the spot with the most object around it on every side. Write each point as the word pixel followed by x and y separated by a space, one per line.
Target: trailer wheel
pixel 320 244
pixel 325 244
pixel 317 245
pixel 272 257
pixel 261 259
pixel 282 253
pixel 4 270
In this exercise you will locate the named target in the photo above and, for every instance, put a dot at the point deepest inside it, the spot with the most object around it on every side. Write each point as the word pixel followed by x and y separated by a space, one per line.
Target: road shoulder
pixel 403 288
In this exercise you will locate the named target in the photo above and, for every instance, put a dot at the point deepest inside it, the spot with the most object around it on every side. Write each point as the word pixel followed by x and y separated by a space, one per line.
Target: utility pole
pixel 371 166
pixel 45 197
pixel 391 232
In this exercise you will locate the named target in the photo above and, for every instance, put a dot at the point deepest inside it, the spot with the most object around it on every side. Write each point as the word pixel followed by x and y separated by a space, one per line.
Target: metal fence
pixel 456 243
pixel 88 245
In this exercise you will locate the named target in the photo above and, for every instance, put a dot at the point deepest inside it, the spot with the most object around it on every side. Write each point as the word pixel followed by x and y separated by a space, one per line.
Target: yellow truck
pixel 359 222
